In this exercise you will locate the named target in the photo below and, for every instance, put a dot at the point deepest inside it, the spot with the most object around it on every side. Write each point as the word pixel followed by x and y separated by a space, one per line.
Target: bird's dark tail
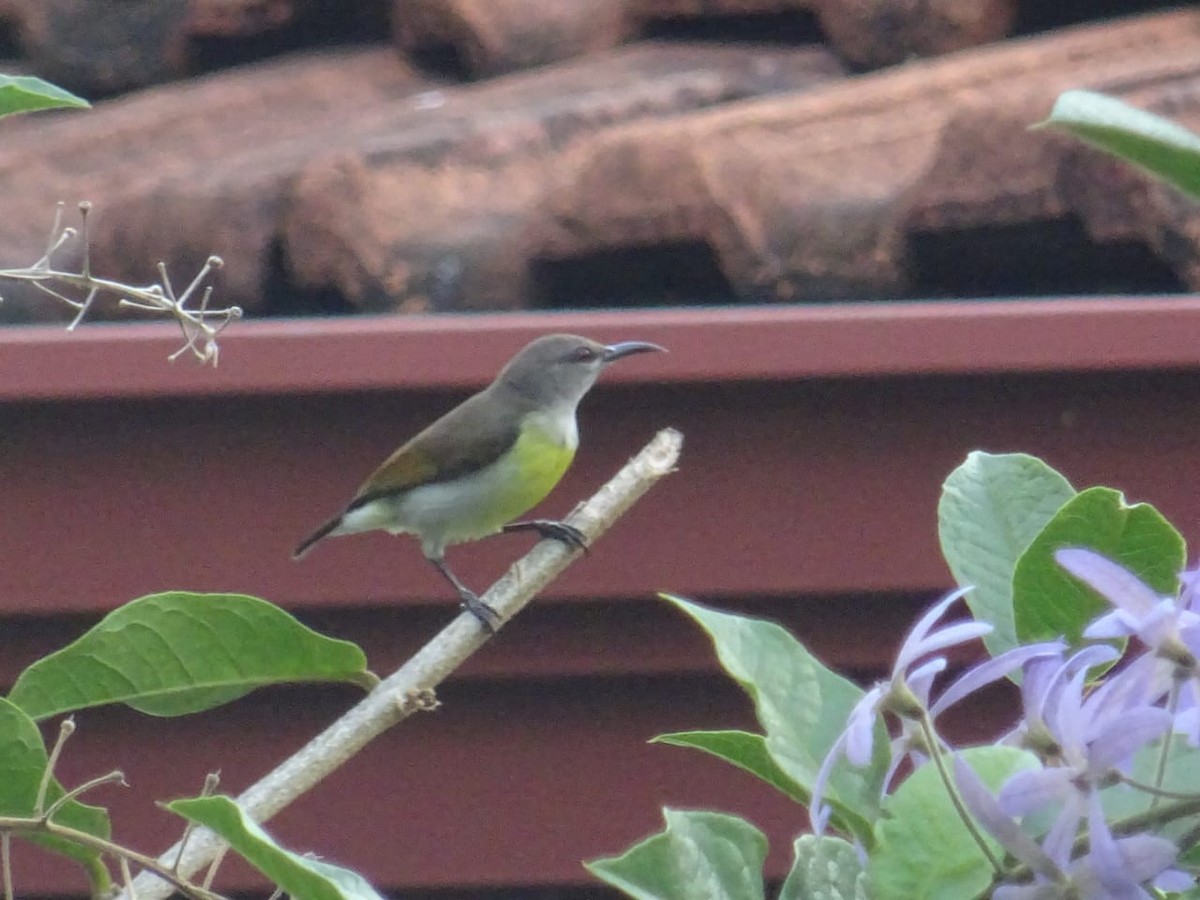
pixel 323 532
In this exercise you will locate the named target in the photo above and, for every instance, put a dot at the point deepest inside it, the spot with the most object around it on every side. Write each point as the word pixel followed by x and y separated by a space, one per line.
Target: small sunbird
pixel 489 460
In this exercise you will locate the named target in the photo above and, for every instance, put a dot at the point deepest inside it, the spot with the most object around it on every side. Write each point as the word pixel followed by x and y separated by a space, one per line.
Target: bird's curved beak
pixel 614 352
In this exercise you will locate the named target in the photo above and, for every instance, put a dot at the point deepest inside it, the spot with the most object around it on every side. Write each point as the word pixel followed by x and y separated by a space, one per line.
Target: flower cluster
pixel 1081 821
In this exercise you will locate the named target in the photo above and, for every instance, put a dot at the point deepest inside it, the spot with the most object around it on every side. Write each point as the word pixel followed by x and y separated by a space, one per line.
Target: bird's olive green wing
pixel 467 438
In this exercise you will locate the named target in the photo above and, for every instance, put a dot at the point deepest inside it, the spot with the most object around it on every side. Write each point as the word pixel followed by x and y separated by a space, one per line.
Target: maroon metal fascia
pixel 816 441
pixel 439 352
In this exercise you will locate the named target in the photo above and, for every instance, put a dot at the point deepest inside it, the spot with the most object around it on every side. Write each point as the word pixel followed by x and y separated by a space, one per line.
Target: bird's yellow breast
pixel 481 503
pixel 536 463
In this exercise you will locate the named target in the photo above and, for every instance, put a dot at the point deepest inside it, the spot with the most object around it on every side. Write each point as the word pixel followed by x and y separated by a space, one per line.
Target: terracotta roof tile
pixel 667 171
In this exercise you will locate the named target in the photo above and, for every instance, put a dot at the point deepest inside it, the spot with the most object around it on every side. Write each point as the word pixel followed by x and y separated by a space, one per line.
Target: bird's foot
pixel 488 617
pixel 550 528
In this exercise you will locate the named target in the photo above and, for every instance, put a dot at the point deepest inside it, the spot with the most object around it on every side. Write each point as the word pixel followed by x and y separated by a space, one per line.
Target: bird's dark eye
pixel 583 354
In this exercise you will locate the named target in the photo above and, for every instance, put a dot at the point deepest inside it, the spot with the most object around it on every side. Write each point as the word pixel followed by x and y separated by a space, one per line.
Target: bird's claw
pixel 554 530
pixel 488 617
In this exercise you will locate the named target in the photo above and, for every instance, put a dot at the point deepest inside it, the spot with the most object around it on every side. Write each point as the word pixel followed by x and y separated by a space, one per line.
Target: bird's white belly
pixel 465 509
pixel 475 505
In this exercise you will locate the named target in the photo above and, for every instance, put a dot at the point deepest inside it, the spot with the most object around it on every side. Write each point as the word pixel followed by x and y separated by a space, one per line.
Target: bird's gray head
pixel 561 368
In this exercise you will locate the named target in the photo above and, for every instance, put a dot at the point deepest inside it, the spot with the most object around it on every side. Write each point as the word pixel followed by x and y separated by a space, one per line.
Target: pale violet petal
pixel 1106 858
pixel 1060 840
pixel 1160 624
pixel 864 709
pixel 818 810
pixel 1086 658
pixel 986 809
pixel 860 729
pixel 1113 582
pixel 1173 881
pixel 1022 892
pixel 1120 738
pixel 1113 624
pixel 1122 865
pixel 1069 721
pixel 909 650
pixel 951 635
pixel 920 681
pixel 992 670
pixel 1033 789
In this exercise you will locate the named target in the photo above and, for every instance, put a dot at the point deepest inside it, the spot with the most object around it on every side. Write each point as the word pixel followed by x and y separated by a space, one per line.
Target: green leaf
pixel 803 707
pixel 992 507
pixel 1180 775
pixel 298 876
pixel 743 749
pixel 698 854
pixel 23 93
pixel 825 868
pixel 922 848
pixel 1190 858
pixel 176 653
pixel 1152 143
pixel 1049 602
pixel 23 761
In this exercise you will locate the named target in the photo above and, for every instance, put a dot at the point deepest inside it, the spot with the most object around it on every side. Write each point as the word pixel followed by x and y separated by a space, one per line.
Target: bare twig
pixel 211 875
pixel 127 878
pixel 42 825
pixel 393 700
pixel 116 851
pixel 114 777
pixel 66 728
pixel 200 324
pixel 6 862
pixel 211 782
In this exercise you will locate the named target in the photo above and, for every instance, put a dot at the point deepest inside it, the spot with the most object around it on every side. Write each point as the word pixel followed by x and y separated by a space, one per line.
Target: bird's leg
pixel 487 616
pixel 550 528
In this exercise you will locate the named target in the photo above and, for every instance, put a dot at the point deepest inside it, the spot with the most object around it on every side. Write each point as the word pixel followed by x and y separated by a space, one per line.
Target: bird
pixel 486 462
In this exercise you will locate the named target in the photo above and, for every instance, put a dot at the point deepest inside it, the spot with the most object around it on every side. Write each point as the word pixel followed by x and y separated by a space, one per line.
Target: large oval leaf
pixel 176 653
pixel 802 705
pixel 992 507
pixel 1048 602
pixel 922 848
pixel 698 854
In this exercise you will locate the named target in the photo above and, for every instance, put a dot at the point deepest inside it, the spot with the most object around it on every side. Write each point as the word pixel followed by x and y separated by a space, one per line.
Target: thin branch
pixel 211 782
pixel 66 728
pixel 59 236
pixel 411 687
pixel 127 878
pixel 200 324
pixel 42 825
pixel 146 862
pixel 114 777
pixel 6 862
pixel 211 875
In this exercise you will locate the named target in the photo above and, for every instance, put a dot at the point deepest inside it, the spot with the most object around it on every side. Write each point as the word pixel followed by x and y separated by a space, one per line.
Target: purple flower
pixel 1166 625
pixel 1169 627
pixel 1041 687
pixel 1093 739
pixel 994 669
pixel 1001 825
pixel 905 694
pixel 1113 868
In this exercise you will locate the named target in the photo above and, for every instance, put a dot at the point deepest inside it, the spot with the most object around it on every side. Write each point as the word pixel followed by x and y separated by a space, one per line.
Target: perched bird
pixel 487 461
